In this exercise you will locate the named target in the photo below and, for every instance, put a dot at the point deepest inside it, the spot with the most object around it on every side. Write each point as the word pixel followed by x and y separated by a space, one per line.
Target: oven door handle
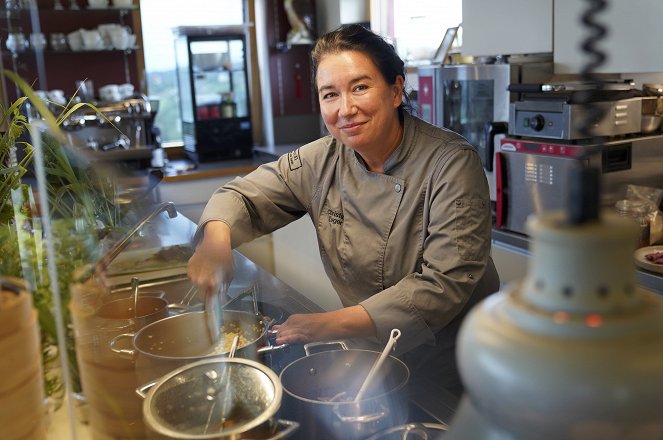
pixel 492 130
pixel 500 190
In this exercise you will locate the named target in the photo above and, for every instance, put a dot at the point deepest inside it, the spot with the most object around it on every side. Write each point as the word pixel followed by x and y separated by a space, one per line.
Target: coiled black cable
pixel 585 188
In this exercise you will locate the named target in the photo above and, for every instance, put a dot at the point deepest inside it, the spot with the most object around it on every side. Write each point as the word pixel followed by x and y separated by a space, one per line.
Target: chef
pixel 401 211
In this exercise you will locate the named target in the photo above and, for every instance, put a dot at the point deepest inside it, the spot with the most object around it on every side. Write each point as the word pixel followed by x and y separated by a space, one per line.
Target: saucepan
pixel 175 341
pixel 319 391
pixel 223 398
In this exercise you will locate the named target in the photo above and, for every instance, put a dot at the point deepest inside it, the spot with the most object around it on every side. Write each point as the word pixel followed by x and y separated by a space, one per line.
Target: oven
pixel 473 100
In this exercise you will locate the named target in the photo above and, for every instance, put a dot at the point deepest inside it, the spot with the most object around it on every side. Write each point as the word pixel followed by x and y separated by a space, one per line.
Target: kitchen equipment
pixel 22 410
pixel 473 100
pixel 650 123
pixel 213 317
pixel 393 337
pixel 538 358
pixel 412 431
pixel 533 175
pixel 311 385
pixel 212 62
pixel 176 405
pixel 175 341
pixel 553 110
pixel 638 212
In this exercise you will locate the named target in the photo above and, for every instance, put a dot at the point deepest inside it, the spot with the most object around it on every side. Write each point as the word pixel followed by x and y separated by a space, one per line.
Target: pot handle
pixel 367 418
pixel 123 352
pixel 144 389
pixel 290 427
pixel 310 345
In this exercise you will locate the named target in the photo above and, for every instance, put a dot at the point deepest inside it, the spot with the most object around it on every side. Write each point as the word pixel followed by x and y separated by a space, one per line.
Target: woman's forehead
pixel 337 65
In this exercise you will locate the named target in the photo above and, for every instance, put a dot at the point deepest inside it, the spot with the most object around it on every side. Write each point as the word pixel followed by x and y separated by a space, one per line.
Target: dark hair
pixel 355 37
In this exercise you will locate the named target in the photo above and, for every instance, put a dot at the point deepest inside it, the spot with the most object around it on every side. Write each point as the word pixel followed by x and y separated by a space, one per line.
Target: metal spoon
pixel 214 390
pixel 393 337
pixel 135 283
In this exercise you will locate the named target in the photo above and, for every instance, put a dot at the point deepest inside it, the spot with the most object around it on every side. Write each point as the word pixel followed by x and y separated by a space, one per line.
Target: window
pixel 158 18
pixel 419 26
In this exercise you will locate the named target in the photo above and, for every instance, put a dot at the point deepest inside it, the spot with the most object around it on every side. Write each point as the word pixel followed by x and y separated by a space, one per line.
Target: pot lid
pixel 213 398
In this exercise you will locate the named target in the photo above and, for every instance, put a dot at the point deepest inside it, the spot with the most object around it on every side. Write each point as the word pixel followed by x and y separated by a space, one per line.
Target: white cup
pixel 75 40
pixel 122 3
pixel 57 96
pixel 97 3
pixel 110 92
pixel 126 90
pixel 119 37
pixel 37 41
pixel 92 40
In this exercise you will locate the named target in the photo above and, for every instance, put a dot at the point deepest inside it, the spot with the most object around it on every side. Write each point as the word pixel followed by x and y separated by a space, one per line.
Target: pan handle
pixel 123 352
pixel 366 418
pixel 290 427
pixel 142 391
pixel 310 345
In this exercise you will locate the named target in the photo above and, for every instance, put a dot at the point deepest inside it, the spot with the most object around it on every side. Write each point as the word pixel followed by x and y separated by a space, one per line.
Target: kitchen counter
pixel 647 279
pixel 438 406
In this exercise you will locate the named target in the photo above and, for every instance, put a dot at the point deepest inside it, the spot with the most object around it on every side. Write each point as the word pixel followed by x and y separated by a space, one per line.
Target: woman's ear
pixel 397 89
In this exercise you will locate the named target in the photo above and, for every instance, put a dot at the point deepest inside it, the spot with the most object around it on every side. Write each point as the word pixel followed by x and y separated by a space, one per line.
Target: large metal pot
pixel 227 398
pixel 165 345
pixel 312 387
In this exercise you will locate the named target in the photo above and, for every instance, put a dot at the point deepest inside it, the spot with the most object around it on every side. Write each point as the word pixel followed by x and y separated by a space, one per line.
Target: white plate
pixel 641 261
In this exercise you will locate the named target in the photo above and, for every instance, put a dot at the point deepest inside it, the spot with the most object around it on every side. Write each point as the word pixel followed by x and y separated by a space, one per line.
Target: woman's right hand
pixel 211 266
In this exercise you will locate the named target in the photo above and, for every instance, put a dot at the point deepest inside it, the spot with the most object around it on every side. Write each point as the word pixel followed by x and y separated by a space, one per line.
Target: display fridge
pixel 213 83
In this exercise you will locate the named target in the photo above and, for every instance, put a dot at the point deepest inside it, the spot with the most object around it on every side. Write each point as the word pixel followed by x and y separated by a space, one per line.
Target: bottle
pixel 228 106
pixel 639 212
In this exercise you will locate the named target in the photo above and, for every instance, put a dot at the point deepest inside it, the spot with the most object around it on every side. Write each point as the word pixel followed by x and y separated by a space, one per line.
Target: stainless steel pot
pixel 172 342
pixel 227 398
pixel 313 385
pixel 412 431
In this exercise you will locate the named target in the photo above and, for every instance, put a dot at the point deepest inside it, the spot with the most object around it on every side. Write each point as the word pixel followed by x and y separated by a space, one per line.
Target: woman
pixel 401 210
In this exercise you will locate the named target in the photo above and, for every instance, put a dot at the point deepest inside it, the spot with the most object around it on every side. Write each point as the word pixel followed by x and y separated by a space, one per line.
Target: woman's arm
pixel 211 265
pixel 344 323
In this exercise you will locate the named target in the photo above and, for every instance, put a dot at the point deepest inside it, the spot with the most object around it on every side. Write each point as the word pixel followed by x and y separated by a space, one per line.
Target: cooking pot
pixel 313 385
pixel 175 341
pixel 412 431
pixel 216 398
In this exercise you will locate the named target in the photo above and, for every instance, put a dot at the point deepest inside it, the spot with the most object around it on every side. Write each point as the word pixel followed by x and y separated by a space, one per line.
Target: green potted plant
pixel 81 210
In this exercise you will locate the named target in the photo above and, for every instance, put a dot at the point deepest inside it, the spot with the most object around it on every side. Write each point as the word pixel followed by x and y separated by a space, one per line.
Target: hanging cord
pixel 584 197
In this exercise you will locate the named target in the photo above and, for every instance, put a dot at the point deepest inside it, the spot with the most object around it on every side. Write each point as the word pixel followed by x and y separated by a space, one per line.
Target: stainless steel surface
pixel 412 431
pixel 177 406
pixel 650 123
pixel 552 119
pixel 107 258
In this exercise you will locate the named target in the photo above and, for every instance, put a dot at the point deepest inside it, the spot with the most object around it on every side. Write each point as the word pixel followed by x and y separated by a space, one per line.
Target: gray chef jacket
pixel 412 245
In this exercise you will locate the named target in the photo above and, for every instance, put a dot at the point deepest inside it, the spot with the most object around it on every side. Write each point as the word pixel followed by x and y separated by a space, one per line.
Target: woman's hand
pixel 319 327
pixel 211 266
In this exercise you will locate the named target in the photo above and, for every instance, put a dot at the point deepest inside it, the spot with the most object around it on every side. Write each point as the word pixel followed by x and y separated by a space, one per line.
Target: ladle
pixel 214 390
pixel 135 284
pixel 393 337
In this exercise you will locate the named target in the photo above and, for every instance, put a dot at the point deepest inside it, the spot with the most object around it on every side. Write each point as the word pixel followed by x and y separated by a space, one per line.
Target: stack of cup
pixel 22 409
pixel 108 380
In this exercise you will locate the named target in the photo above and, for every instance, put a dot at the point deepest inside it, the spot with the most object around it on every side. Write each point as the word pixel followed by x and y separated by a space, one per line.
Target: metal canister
pixel 639 212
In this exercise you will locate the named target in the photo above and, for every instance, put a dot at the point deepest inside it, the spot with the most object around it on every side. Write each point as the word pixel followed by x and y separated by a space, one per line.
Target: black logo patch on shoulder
pixel 294 161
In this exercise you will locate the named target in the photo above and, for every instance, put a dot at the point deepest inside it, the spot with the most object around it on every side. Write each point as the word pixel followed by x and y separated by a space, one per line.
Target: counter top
pixel 178 170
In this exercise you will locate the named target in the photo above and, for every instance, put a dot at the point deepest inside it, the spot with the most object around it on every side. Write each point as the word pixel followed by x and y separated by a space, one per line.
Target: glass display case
pixel 213 84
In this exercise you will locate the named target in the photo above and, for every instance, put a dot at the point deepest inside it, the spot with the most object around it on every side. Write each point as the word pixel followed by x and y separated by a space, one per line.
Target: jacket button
pixel 397 187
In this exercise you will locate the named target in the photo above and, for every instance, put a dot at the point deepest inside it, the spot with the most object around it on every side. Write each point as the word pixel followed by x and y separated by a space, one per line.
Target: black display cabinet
pixel 213 85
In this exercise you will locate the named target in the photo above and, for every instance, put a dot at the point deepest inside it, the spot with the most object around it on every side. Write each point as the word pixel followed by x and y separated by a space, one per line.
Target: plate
pixel 642 262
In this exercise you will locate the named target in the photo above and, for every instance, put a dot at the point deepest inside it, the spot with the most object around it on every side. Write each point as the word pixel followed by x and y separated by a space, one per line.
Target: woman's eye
pixel 360 87
pixel 328 95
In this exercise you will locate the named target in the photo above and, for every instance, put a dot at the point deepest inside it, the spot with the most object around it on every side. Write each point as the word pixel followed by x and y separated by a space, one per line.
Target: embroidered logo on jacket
pixel 335 217
pixel 294 161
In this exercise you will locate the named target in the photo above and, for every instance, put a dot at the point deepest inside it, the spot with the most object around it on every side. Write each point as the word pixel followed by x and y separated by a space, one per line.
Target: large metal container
pixel 227 398
pixel 165 345
pixel 312 387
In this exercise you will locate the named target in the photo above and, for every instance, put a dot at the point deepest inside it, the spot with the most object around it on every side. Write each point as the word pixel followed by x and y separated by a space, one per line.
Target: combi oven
pixel 473 100
pixel 532 176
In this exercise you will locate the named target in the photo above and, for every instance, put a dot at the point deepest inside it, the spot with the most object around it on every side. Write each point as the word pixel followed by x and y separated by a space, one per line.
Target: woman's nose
pixel 347 105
